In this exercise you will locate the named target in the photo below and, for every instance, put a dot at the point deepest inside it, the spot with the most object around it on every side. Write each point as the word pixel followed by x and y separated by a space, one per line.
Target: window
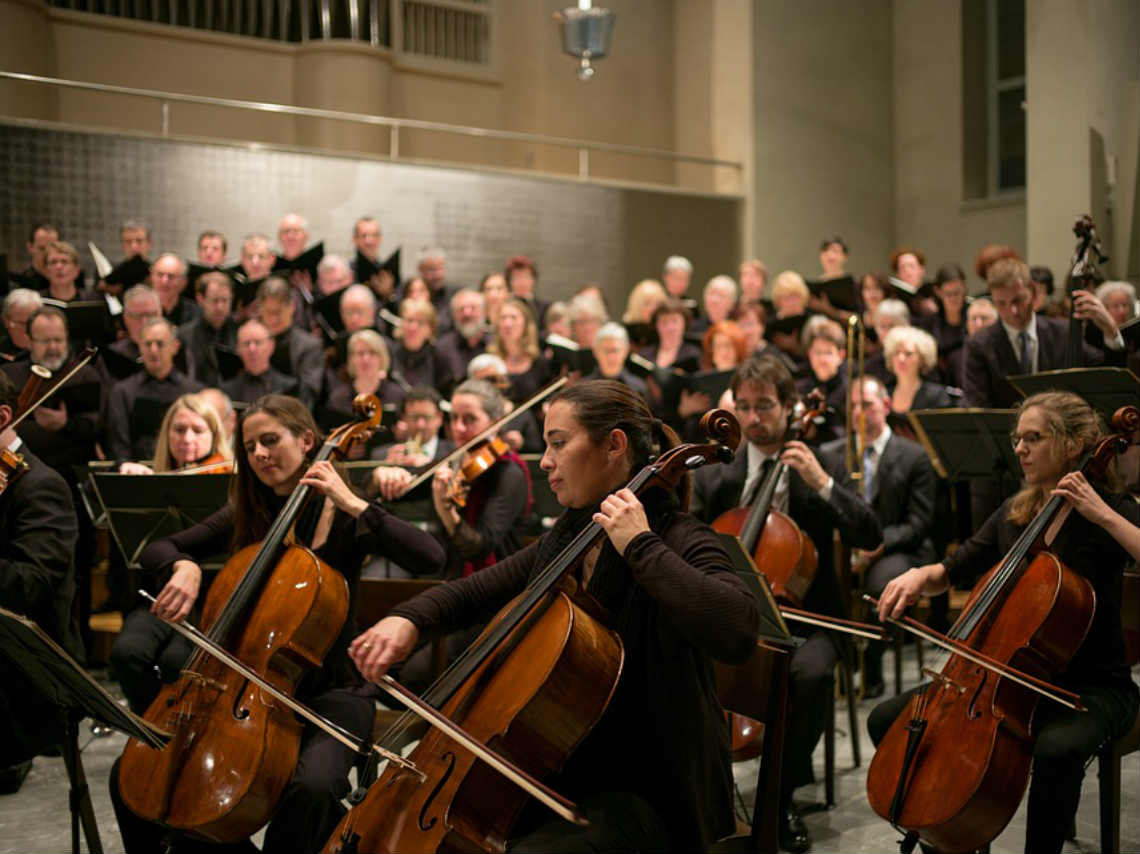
pixel 993 92
pixel 447 31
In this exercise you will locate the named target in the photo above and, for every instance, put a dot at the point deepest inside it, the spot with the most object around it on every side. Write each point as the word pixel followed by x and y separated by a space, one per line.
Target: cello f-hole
pixel 425 826
pixel 240 712
pixel 972 712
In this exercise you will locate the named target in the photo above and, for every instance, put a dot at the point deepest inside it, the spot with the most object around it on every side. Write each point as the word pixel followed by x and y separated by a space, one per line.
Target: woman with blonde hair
pixel 909 353
pixel 191 437
pixel 515 341
pixel 414 361
pixel 1053 431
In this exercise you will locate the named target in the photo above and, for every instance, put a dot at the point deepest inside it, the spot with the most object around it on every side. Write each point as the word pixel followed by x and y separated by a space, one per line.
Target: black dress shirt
pixel 299 354
pixel 456 352
pixel 246 388
pixel 198 342
pixel 134 412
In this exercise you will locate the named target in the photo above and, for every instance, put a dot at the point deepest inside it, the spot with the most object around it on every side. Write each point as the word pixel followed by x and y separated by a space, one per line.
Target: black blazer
pixel 902 495
pixel 717 488
pixel 990 360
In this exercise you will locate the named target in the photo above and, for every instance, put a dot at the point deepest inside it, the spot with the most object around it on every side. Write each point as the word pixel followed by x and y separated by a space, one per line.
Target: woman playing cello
pixel 1053 431
pixel 654 775
pixel 279 437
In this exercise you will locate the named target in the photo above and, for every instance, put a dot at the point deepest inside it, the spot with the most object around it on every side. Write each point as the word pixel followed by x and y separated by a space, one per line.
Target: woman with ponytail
pixel 655 774
pixel 1094 537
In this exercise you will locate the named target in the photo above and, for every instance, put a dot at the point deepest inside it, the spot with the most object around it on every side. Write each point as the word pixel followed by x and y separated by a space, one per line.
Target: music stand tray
pixel 142 508
pixel 1105 389
pixel 967 444
pixel 57 676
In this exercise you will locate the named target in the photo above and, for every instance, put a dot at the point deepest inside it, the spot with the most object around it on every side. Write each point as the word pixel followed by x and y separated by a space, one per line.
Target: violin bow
pixel 1045 689
pixel 494 428
pixel 195 636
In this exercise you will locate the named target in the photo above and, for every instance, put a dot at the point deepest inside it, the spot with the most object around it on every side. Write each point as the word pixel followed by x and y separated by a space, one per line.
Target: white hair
pixel 486 361
pixel 333 262
pixel 612 330
pixel 1109 288
pixel 432 252
pixel 893 308
pixel 678 262
pixel 359 290
pixel 586 305
pixel 304 222
pixel 141 292
pixel 22 298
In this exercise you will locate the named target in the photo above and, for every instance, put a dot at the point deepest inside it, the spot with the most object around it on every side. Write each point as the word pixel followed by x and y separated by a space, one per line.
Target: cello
pixel 532 686
pixel 783 554
pixel 277 608
pixel 954 765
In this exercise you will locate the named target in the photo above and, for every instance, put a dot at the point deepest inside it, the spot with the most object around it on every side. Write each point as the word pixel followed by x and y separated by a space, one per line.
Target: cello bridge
pixel 943 681
pixel 203 681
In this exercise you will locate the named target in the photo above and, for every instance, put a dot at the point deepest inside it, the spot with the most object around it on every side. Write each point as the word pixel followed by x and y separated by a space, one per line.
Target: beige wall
pixel 1079 118
pixel 822 131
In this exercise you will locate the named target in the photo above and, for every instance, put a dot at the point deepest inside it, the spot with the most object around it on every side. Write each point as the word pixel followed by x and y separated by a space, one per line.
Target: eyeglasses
pixel 761 406
pixel 1029 437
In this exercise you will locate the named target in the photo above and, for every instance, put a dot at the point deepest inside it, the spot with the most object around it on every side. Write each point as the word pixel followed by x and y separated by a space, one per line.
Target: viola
pixel 277 609
pixel 954 764
pixel 533 684
pixel 784 555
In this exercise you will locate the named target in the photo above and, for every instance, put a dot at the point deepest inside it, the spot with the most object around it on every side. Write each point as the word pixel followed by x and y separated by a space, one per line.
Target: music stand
pixel 758 688
pixel 141 508
pixel 1105 389
pixel 967 444
pixel 56 676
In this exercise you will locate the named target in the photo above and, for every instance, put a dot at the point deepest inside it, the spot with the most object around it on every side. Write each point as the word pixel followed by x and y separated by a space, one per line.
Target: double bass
pixel 532 685
pixel 954 765
pixel 277 608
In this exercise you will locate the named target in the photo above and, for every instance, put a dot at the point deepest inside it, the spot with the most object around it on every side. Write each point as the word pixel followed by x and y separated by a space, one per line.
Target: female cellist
pixel 654 774
pixel 279 437
pixel 190 439
pixel 1053 431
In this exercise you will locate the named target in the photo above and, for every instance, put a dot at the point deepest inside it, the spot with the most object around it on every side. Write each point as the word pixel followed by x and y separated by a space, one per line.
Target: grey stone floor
pixel 36 820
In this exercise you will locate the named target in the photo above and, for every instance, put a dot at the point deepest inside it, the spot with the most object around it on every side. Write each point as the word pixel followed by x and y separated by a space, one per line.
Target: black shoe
pixel 874 690
pixel 12 777
pixel 794 836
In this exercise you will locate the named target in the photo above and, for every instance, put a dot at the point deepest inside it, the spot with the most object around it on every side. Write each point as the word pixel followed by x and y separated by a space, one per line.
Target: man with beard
pixel 468 339
pixel 63 430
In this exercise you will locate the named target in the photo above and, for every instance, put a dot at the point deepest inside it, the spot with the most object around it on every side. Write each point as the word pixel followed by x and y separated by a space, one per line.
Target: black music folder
pixel 306 262
pixel 842 292
pixel 87 320
pixel 964 444
pixel 1105 389
pixel 365 268
pixel 129 272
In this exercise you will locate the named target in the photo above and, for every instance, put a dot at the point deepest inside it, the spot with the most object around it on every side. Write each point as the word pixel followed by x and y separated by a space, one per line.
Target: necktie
pixel 751 488
pixel 1026 359
pixel 868 472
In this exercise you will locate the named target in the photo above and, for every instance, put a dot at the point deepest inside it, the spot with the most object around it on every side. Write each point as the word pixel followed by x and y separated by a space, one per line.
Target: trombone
pixel 855 436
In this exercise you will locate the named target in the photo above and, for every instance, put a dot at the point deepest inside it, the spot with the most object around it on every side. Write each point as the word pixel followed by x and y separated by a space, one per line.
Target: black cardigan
pixel 375 531
pixel 663 736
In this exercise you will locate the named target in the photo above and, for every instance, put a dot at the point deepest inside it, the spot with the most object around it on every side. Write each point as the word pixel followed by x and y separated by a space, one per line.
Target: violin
pixel 277 609
pixel 13 466
pixel 533 684
pixel 213 464
pixel 953 766
pixel 783 554
pixel 478 461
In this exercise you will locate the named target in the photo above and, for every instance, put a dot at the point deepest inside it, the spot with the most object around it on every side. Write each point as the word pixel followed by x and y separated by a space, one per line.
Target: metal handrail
pixel 395 124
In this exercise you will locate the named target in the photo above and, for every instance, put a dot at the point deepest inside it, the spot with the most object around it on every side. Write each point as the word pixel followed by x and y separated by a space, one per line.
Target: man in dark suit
pixel 297 353
pixel 257 378
pixel 213 328
pixel 37 580
pixel 1021 342
pixel 900 485
pixel 820 497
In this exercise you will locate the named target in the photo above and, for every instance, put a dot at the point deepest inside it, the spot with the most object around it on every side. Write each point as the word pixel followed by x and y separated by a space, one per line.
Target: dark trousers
pixel 619 822
pixel 311 805
pixel 878 575
pixel 811 687
pixel 1066 740
pixel 147 653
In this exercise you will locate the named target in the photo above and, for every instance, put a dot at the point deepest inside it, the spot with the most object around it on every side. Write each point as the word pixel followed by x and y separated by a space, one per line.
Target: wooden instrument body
pixel 972 763
pixel 532 700
pixel 783 553
pixel 234 748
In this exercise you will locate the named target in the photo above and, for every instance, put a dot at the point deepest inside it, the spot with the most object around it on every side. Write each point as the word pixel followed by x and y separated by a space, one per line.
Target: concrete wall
pixel 822 131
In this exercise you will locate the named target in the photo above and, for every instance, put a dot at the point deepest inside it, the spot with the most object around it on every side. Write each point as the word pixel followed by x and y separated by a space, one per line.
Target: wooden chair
pixel 758 688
